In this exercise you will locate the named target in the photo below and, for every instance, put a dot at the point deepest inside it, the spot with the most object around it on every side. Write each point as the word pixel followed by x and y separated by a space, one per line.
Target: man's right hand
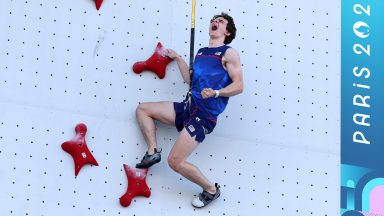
pixel 183 67
pixel 172 54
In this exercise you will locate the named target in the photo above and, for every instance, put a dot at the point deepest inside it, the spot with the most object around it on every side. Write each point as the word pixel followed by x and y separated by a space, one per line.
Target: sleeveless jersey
pixel 208 72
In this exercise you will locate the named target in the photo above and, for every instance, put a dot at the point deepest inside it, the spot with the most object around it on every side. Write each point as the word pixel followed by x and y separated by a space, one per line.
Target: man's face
pixel 218 27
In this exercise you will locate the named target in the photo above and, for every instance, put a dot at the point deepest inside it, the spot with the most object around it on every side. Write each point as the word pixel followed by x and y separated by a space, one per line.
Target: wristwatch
pixel 217 93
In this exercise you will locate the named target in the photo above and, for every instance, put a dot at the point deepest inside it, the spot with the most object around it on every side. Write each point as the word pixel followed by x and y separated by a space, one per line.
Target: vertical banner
pixel 362 108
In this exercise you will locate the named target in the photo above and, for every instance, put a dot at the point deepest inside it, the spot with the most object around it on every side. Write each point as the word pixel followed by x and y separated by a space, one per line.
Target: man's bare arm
pixel 183 67
pixel 233 66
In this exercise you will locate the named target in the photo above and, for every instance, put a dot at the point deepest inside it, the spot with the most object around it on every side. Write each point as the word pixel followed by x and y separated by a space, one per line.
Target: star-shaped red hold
pixel 137 186
pixel 98 4
pixel 156 63
pixel 78 149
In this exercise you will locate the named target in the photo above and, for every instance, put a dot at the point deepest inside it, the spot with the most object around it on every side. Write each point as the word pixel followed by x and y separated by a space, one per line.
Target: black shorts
pixel 190 117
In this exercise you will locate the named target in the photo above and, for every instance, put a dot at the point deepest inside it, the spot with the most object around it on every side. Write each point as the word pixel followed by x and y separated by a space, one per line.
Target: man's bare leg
pixel 183 147
pixel 146 113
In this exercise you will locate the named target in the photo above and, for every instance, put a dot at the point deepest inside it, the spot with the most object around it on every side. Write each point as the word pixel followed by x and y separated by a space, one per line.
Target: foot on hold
pixel 205 197
pixel 149 160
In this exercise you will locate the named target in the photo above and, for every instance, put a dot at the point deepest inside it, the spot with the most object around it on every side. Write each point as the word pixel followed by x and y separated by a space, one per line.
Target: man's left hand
pixel 207 93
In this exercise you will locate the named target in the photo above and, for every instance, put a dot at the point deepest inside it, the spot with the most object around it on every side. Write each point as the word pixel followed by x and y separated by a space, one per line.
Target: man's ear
pixel 227 33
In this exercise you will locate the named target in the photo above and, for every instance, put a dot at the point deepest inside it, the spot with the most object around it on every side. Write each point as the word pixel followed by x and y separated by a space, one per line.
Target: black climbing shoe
pixel 205 197
pixel 149 160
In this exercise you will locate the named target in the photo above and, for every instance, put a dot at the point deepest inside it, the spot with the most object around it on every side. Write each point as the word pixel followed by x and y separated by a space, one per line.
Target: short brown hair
pixel 231 28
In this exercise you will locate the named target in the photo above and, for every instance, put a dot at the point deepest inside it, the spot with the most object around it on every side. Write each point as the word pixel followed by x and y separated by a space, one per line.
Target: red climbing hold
pixel 156 63
pixel 98 4
pixel 78 149
pixel 137 186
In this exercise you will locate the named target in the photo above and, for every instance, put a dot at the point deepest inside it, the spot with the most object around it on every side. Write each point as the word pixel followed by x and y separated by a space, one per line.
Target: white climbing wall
pixel 275 150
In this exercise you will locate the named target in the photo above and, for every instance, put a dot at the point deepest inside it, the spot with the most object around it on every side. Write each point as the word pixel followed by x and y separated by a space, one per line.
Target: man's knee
pixel 141 109
pixel 174 163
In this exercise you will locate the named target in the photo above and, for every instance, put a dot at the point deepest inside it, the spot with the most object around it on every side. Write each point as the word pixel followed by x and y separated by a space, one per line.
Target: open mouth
pixel 214 28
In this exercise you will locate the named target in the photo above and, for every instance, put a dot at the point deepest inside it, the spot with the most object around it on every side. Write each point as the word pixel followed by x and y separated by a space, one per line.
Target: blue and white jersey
pixel 208 72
